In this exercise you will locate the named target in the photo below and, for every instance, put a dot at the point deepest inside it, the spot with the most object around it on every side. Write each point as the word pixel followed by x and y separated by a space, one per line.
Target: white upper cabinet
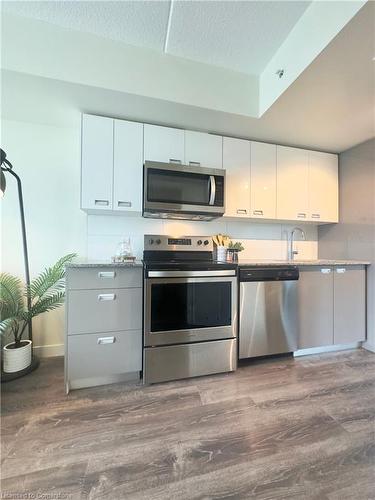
pixel 236 161
pixel 292 183
pixel 164 144
pixel 97 162
pixel 263 180
pixel 204 150
pixel 323 187
pixel 128 166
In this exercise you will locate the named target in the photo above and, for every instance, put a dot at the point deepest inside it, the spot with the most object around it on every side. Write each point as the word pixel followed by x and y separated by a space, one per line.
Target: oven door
pixel 189 309
pixel 183 189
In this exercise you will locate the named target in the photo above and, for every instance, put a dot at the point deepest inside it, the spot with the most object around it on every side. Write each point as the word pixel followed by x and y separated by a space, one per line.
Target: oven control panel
pixel 176 243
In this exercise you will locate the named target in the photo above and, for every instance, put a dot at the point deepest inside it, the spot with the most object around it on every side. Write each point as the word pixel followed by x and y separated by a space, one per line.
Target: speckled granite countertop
pixel 103 263
pixel 263 263
pixel 320 262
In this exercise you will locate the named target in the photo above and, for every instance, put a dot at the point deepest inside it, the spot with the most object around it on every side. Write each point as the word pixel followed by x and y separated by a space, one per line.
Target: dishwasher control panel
pixel 285 273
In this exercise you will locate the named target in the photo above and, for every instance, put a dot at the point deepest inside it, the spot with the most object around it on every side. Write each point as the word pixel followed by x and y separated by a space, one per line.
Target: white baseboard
pixel 327 348
pixel 49 351
pixel 368 346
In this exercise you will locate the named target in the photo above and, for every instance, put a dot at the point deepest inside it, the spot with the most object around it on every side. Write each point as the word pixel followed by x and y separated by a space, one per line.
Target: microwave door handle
pixel 212 190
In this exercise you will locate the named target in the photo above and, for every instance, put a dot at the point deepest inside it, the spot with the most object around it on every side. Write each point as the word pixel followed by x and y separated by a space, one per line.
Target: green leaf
pixel 48 303
pixel 11 296
pixel 52 277
pixel 8 324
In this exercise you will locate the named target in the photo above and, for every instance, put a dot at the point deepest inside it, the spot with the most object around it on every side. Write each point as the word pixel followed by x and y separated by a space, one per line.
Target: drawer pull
pixel 102 203
pixel 301 215
pixel 195 163
pixel 106 340
pixel 106 274
pixel 106 296
pixel 315 216
pixel 241 211
pixel 127 204
pixel 258 212
pixel 326 271
pixel 341 270
pixel 174 160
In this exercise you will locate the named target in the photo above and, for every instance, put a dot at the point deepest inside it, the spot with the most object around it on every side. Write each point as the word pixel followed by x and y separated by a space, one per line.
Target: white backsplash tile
pixel 262 241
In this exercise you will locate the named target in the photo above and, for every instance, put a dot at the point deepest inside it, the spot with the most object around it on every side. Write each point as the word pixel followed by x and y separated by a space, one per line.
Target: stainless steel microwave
pixel 175 191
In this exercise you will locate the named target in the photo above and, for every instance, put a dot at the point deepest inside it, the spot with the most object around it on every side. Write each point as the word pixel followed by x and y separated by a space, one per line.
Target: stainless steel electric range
pixel 190 309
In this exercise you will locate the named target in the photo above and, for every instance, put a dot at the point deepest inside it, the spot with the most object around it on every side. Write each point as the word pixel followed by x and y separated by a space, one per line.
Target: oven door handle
pixel 212 190
pixel 188 274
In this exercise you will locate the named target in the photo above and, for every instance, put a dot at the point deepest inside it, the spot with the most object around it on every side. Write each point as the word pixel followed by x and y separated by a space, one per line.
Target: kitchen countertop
pixel 263 263
pixel 319 262
pixel 103 263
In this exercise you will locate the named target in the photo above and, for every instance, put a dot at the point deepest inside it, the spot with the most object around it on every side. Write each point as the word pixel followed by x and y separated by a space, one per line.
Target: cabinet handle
pixel 102 203
pixel 241 211
pixel 258 212
pixel 341 270
pixel 173 160
pixel 315 216
pixel 106 340
pixel 301 215
pixel 326 271
pixel 195 163
pixel 124 203
pixel 106 274
pixel 106 296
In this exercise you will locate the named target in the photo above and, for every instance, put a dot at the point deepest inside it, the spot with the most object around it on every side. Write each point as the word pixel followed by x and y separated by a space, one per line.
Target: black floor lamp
pixel 7 167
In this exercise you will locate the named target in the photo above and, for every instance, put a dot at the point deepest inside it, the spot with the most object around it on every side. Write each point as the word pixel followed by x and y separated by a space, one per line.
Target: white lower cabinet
pixel 103 326
pixel 332 305
pixel 236 161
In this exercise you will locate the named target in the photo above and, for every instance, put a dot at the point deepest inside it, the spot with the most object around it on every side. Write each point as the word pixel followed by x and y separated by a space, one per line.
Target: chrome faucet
pixel 293 252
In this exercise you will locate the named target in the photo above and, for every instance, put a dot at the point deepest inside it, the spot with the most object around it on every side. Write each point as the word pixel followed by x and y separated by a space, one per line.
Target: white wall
pixel 47 159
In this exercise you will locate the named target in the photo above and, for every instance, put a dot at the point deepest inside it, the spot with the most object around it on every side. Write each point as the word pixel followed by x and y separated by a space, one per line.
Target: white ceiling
pixel 330 107
pixel 237 35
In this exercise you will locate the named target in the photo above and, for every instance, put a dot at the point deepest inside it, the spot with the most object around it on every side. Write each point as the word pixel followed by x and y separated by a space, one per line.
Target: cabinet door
pixel 315 303
pixel 263 180
pixel 128 166
pixel 236 161
pixel 97 162
pixel 205 150
pixel 323 187
pixel 164 144
pixel 292 183
pixel 349 304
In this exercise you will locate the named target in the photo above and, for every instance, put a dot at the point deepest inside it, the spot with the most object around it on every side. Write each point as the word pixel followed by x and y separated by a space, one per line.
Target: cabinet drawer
pixel 99 355
pixel 91 311
pixel 101 277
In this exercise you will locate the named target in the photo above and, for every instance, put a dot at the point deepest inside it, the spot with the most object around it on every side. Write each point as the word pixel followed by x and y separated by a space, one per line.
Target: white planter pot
pixel 17 359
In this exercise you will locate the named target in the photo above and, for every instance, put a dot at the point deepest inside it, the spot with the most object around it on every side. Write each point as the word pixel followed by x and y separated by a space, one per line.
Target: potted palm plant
pixel 46 291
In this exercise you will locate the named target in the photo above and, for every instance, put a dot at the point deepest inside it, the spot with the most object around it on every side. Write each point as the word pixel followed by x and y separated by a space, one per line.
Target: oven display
pixel 179 241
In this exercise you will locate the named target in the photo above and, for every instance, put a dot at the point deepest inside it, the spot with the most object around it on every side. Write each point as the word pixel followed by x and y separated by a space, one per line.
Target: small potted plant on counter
pixel 233 250
pixel 47 292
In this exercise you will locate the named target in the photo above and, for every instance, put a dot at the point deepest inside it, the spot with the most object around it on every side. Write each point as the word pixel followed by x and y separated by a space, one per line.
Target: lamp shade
pixel 3 184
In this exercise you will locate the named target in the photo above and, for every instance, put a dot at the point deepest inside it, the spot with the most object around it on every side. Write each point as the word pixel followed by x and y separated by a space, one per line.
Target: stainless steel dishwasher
pixel 268 310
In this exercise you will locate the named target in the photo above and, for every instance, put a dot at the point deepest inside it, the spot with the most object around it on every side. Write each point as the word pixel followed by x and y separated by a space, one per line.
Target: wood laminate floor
pixel 275 429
